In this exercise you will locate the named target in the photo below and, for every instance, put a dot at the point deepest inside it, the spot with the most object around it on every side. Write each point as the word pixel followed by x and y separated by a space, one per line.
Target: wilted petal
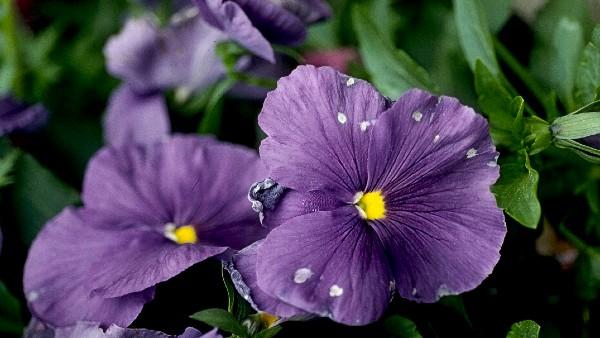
pixel 433 161
pixel 243 274
pixel 329 263
pixel 132 118
pixel 318 122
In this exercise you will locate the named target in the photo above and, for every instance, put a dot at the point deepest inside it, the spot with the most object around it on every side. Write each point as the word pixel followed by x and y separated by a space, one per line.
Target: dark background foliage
pixel 63 67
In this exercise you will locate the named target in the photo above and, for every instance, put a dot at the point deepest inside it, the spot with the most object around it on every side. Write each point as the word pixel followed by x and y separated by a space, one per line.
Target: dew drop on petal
pixel 32 296
pixel 471 153
pixel 436 139
pixel 350 82
pixel 335 291
pixel 342 118
pixel 417 116
pixel 364 125
pixel 302 275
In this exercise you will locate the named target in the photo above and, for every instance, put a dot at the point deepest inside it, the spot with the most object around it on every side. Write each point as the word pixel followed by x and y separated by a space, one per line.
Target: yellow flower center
pixel 185 234
pixel 371 205
pixel 267 319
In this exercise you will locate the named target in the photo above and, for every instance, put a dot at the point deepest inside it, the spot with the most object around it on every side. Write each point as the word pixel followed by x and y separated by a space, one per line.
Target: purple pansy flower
pixel 149 60
pixel 149 213
pixel 19 117
pixel 381 196
pixel 37 329
pixel 255 24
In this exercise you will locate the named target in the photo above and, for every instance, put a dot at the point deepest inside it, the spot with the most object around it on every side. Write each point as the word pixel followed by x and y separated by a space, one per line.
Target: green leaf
pixel 576 126
pixel 524 329
pixel 38 196
pixel 567 43
pixel 221 319
pixel 7 163
pixel 400 327
pixel 268 333
pixel 211 122
pixel 473 34
pixel 516 190
pixel 392 70
pixel 10 312
pixel 499 106
pixel 497 13
pixel 587 79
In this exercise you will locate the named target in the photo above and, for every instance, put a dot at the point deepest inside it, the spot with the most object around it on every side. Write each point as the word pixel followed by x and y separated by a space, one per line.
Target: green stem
pixel 540 93
pixel 12 49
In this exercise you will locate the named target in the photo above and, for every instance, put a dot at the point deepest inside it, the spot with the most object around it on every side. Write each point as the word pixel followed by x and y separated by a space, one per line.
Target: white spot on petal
pixel 364 125
pixel 342 118
pixel 335 291
pixel 492 164
pixel 350 82
pixel 471 153
pixel 414 291
pixel 417 116
pixel 302 275
pixel 32 296
pixel 436 139
pixel 444 291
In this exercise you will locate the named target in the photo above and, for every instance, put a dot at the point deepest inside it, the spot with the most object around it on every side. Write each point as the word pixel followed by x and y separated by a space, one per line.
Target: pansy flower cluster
pixel 353 199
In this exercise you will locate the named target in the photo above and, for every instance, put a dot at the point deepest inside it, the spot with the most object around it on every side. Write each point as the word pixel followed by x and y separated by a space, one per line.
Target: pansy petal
pixel 131 53
pixel 592 141
pixel 329 263
pixel 318 124
pixel 230 18
pixel 117 181
pixel 185 180
pixel 181 55
pixel 102 268
pixel 66 256
pixel 243 274
pixel 94 330
pixel 433 161
pixel 293 203
pixel 133 118
pixel 205 174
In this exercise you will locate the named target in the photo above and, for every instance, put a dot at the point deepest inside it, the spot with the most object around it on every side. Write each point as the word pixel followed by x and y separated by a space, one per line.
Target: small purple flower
pixel 255 24
pixel 37 329
pixel 19 117
pixel 149 213
pixel 381 196
pixel 149 60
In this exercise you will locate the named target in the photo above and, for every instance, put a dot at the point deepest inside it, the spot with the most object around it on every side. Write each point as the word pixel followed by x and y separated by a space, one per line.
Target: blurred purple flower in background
pixel 19 117
pixel 150 60
pixel 149 213
pixel 37 329
pixel 382 196
pixel 255 24
pixel 339 59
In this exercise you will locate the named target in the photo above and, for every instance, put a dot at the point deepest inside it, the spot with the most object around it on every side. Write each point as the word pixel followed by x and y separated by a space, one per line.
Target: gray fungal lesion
pixel 265 195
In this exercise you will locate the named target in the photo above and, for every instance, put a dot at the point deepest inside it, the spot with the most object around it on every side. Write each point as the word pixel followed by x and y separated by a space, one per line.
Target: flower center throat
pixel 371 206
